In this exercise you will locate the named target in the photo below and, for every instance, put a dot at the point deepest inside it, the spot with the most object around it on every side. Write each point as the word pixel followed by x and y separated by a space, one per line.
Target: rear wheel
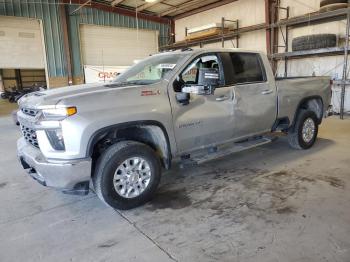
pixel 127 175
pixel 304 133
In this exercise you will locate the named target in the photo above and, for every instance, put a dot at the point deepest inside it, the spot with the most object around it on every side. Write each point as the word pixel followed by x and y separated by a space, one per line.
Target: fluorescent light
pixel 150 1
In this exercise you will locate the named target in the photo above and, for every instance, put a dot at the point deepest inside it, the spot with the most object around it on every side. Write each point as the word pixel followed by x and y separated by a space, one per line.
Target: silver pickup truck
pixel 190 106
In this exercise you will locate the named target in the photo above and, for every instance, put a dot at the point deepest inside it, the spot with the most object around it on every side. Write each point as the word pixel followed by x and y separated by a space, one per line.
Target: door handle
pixel 267 92
pixel 222 98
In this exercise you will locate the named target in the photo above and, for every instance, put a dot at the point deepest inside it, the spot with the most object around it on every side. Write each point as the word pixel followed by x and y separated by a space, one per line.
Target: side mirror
pixel 198 89
pixel 183 98
pixel 178 84
pixel 209 77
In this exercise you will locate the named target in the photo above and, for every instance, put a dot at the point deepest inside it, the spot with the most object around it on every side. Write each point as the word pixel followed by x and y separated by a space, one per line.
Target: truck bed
pixel 293 90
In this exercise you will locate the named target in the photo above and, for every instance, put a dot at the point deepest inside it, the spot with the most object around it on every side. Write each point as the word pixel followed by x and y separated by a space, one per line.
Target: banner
pixel 102 74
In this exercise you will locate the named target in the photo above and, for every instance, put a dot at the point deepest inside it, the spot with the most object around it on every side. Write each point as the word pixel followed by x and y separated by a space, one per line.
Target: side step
pixel 214 153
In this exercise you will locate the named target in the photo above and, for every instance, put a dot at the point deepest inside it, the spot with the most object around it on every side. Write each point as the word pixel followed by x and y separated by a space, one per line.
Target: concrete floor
pixel 6 107
pixel 268 204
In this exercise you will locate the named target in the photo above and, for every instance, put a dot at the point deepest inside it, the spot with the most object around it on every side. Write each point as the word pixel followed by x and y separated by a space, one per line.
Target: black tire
pixel 108 163
pixel 330 2
pixel 11 99
pixel 332 7
pixel 310 42
pixel 295 135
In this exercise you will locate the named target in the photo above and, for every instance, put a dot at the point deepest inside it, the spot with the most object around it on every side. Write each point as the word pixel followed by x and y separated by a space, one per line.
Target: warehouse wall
pixel 248 12
pixel 327 65
pixel 48 12
pixel 252 12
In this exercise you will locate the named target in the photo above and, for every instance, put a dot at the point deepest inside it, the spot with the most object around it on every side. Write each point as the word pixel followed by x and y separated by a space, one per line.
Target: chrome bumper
pixel 70 176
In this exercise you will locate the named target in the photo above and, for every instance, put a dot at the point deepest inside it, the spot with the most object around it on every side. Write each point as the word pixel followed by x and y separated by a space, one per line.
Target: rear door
pixel 255 97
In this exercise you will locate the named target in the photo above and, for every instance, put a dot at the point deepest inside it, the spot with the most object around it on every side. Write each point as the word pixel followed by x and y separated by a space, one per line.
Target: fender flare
pixel 302 101
pixel 98 134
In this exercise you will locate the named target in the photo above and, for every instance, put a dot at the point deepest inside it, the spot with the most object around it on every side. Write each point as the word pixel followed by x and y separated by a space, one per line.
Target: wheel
pixel 330 2
pixel 333 7
pixel 304 132
pixel 310 42
pixel 127 175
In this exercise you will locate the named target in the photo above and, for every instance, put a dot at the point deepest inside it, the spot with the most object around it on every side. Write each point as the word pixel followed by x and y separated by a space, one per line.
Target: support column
pixel 67 51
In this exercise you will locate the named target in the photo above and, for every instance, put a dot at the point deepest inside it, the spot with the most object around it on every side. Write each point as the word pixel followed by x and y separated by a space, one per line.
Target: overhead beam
pixel 148 5
pixel 181 7
pixel 116 2
pixel 81 6
pixel 204 8
pixel 120 10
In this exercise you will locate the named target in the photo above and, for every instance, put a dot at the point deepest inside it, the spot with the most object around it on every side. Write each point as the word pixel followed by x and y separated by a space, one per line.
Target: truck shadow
pixel 245 175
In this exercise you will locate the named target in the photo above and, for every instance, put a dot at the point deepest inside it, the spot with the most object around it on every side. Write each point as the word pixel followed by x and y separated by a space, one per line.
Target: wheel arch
pixel 149 132
pixel 313 103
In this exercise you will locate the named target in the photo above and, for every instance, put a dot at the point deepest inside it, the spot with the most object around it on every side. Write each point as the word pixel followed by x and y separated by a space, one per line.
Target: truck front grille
pixel 30 135
pixel 29 112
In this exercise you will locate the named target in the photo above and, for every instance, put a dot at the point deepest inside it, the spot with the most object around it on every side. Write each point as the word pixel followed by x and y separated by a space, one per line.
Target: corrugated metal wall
pixel 99 17
pixel 48 12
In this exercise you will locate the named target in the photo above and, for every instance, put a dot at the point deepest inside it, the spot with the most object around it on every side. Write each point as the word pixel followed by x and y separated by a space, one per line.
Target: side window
pixel 247 68
pixel 191 74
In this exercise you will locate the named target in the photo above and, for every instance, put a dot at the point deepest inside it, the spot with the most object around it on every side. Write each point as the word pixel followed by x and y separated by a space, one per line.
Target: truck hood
pixel 54 96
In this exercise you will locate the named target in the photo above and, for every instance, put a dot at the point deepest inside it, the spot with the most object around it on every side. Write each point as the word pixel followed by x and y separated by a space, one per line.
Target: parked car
pixel 190 106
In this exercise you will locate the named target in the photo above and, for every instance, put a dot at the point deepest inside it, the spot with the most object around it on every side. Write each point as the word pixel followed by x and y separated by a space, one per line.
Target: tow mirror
pixel 208 80
pixel 198 89
pixel 183 98
pixel 209 77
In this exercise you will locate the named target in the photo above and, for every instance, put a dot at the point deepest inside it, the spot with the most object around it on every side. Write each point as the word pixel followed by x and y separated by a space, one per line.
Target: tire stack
pixel 310 42
pixel 331 5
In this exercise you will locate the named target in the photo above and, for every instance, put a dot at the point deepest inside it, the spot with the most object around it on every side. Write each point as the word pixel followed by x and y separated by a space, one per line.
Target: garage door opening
pixel 22 57
pixel 108 51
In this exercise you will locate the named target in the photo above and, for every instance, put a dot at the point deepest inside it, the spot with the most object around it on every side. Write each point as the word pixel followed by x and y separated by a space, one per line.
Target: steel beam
pixel 116 2
pixel 204 8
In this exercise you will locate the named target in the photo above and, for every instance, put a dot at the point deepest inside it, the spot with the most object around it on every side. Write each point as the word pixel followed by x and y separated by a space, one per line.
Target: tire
pixel 310 42
pixel 11 99
pixel 112 160
pixel 295 135
pixel 332 7
pixel 330 2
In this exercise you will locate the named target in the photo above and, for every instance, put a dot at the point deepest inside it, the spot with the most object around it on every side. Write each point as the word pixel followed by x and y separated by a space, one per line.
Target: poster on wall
pixel 102 74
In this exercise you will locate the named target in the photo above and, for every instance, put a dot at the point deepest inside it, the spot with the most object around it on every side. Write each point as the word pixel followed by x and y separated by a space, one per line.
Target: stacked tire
pixel 331 5
pixel 310 42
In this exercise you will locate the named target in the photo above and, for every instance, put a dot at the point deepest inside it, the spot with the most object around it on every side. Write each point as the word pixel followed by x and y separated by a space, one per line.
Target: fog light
pixel 56 139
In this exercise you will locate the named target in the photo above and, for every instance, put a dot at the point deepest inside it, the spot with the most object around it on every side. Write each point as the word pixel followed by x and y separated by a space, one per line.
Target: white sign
pixel 102 74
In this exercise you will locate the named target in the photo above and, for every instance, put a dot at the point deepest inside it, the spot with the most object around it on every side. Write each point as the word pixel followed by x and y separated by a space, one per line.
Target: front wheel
pixel 304 132
pixel 127 175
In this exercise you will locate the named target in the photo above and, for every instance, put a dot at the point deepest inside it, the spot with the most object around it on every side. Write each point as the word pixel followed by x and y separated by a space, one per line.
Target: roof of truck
pixel 208 50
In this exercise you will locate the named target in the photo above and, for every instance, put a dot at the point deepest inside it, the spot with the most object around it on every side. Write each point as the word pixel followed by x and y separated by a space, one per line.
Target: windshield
pixel 150 70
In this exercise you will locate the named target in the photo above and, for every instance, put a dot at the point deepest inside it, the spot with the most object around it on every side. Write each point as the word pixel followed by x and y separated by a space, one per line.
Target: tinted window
pixel 247 68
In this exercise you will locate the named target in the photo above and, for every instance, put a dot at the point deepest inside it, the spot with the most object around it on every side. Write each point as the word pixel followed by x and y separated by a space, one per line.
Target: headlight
pixel 56 139
pixel 59 113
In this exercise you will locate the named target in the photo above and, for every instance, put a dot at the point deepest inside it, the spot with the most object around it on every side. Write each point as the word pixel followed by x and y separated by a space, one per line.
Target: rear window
pixel 247 68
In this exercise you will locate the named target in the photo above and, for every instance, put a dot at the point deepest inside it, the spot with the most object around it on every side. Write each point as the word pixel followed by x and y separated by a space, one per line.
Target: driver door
pixel 207 119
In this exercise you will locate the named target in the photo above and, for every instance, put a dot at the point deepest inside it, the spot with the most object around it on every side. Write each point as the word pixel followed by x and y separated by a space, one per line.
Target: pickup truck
pixel 187 106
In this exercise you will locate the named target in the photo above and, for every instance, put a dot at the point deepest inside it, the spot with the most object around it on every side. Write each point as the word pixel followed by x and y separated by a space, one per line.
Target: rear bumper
pixel 69 176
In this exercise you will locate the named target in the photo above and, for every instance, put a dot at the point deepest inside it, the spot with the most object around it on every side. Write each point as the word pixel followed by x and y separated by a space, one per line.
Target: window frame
pixel 261 64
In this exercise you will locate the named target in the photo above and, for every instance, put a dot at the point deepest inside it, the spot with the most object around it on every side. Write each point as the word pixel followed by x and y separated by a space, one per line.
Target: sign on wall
pixel 102 74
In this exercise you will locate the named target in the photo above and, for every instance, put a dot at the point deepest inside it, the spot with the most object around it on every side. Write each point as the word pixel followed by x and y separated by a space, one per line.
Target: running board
pixel 214 153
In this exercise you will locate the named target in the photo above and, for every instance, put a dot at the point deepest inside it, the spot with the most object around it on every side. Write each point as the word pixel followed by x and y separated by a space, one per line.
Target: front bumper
pixel 70 176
